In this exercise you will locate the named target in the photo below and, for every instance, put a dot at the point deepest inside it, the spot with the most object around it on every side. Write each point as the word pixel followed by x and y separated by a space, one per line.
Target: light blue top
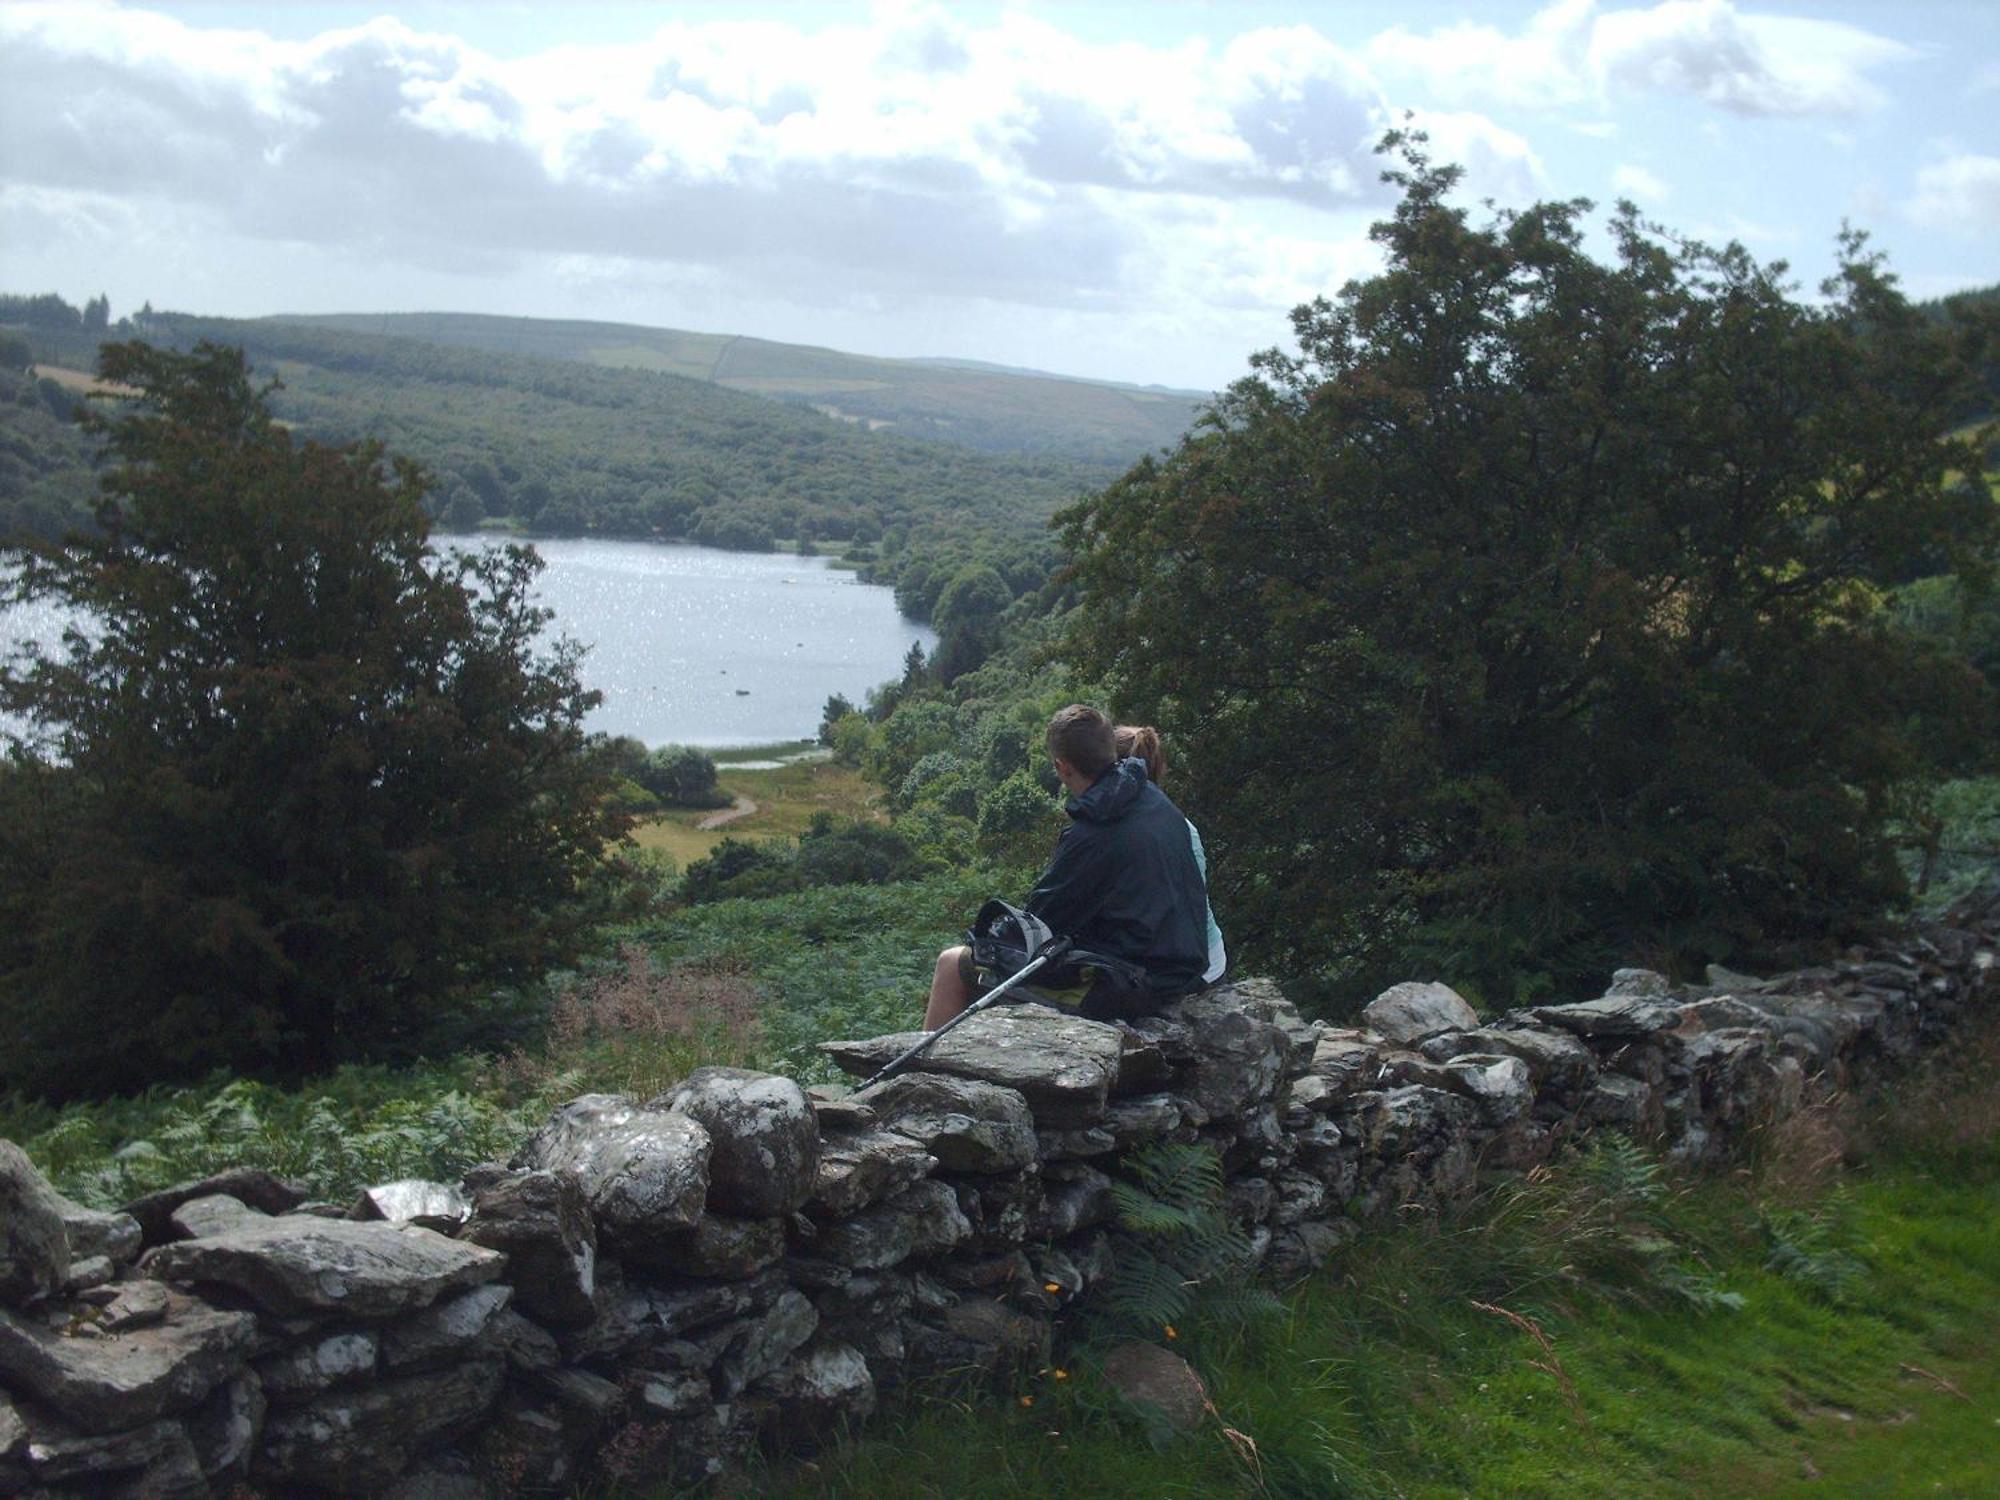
pixel 1218 958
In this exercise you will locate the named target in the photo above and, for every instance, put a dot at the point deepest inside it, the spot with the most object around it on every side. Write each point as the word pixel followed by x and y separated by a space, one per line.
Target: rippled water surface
pixel 697 646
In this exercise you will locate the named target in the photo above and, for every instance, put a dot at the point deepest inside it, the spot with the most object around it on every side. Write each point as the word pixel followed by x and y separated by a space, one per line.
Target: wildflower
pixel 1027 1401
pixel 1170 1331
pixel 1052 1287
pixel 1060 1374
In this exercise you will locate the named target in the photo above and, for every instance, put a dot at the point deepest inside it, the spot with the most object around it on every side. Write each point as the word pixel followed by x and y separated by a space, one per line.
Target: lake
pixel 698 647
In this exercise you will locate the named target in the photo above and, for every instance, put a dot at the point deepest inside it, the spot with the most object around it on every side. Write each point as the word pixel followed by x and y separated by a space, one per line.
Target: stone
pixel 445 1477
pixel 643 1171
pixel 825 1382
pixel 967 1125
pixel 115 1236
pixel 263 1191
pixel 1239 1053
pixel 1614 1017
pixel 979 1334
pixel 672 1395
pixel 134 1304
pixel 212 1213
pixel 1501 1086
pixel 836 1109
pixel 84 1275
pixel 1064 1065
pixel 13 1431
pixel 1641 982
pixel 1073 1145
pixel 1263 999
pixel 130 1378
pixel 1627 1103
pixel 319 1364
pixel 302 1266
pixel 225 1427
pixel 543 1224
pixel 357 1442
pixel 1141 1118
pixel 1555 1059
pixel 727 1249
pixel 446 1331
pixel 90 1463
pixel 526 1448
pixel 761 1345
pixel 1159 1382
pixel 1409 1012
pixel 34 1241
pixel 442 1206
pixel 1350 1061
pixel 1300 1197
pixel 1300 1249
pixel 857 1168
pixel 1083 1202
pixel 921 1220
pixel 528 1346
pixel 764 1139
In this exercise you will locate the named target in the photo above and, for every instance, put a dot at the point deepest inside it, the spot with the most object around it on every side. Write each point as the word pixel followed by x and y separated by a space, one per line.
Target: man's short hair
pixel 1082 736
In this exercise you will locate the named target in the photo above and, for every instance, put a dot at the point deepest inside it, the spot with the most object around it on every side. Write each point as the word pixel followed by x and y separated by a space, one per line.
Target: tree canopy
pixel 295 783
pixel 1530 617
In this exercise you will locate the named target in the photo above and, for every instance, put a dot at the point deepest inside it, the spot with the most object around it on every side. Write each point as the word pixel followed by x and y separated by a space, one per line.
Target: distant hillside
pixel 564 448
pixel 989 407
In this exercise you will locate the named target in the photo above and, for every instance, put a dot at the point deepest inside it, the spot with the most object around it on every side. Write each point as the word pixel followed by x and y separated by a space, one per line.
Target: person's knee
pixel 951 960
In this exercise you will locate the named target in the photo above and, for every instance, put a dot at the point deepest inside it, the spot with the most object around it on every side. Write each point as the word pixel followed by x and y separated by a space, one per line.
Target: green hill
pixel 563 447
pixel 994 408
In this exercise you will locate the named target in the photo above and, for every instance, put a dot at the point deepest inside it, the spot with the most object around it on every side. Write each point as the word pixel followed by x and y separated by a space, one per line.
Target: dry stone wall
pixel 649 1287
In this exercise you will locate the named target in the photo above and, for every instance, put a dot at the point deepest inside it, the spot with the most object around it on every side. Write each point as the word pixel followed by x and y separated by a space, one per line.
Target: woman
pixel 1142 741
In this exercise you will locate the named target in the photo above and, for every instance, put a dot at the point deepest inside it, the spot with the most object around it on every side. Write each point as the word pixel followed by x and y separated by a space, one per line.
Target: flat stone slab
pixel 1613 1016
pixel 300 1266
pixel 126 1379
pixel 1050 1057
pixel 34 1243
pixel 442 1206
pixel 250 1186
pixel 1412 1011
pixel 968 1125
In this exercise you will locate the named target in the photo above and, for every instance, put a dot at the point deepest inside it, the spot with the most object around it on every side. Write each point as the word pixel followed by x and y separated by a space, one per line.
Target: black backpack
pixel 1004 940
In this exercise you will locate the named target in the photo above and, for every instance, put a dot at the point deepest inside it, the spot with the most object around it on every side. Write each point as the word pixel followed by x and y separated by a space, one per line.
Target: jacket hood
pixel 1112 795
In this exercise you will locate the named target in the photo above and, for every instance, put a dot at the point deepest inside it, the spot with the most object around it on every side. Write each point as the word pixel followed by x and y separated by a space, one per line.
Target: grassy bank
pixel 1821 1322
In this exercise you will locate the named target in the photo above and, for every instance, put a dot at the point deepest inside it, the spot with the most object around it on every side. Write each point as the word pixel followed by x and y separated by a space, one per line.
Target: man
pixel 1123 881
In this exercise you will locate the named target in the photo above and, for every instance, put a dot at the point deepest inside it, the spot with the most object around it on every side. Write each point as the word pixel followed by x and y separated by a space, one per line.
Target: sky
pixel 1135 192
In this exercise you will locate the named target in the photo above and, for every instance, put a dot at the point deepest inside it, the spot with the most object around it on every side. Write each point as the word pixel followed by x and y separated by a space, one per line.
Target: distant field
pixel 786 800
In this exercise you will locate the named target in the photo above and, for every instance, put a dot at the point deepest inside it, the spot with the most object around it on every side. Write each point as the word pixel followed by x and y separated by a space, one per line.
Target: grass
pixel 1818 1323
pixel 787 799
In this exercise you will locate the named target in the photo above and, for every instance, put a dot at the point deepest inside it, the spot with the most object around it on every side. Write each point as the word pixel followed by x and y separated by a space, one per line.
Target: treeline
pixel 556 448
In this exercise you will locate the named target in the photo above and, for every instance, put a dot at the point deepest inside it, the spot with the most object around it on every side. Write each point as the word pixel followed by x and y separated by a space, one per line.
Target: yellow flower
pixel 1052 1287
pixel 1027 1400
pixel 1060 1374
pixel 1169 1329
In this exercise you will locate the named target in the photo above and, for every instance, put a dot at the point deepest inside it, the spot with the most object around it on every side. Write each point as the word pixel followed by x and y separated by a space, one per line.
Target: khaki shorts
pixel 1094 995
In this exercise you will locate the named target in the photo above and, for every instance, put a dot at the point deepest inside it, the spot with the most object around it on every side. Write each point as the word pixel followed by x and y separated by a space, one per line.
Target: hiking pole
pixel 1052 952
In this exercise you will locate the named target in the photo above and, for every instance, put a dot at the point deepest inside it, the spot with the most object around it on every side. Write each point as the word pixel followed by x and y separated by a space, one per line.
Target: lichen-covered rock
pixel 1500 1085
pixel 320 1363
pixel 442 1206
pixel 1626 1103
pixel 34 1243
pixel 762 1344
pixel 1238 1052
pixel 920 1220
pixel 357 1442
pixel 977 1334
pixel 1064 1065
pixel 1161 1383
pixel 1079 1202
pixel 726 1248
pixel 450 1329
pixel 860 1167
pixel 967 1125
pixel 301 1266
pixel 212 1213
pixel 542 1222
pixel 254 1188
pixel 1263 999
pixel 1409 1012
pixel 824 1382
pixel 225 1427
pixel 1615 1016
pixel 154 1459
pixel 763 1134
pixel 643 1171
pixel 115 1236
pixel 1556 1060
pixel 127 1379
pixel 1141 1118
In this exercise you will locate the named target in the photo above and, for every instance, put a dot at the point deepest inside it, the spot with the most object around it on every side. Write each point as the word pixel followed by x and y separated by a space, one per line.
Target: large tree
pixel 1529 618
pixel 295 783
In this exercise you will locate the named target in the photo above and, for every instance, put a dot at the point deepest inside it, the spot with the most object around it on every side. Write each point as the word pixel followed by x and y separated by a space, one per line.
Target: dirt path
pixel 742 807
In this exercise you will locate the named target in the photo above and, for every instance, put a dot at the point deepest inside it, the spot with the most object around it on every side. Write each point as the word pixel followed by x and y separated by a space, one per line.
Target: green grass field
pixel 1510 1350
pixel 787 799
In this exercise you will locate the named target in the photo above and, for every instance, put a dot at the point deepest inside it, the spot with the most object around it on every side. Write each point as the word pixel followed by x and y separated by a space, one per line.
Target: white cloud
pixel 1575 53
pixel 913 151
pixel 1629 180
pixel 1960 194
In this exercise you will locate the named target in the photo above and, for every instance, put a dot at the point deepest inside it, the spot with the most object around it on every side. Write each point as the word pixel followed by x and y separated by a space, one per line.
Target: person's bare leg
pixel 949 994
